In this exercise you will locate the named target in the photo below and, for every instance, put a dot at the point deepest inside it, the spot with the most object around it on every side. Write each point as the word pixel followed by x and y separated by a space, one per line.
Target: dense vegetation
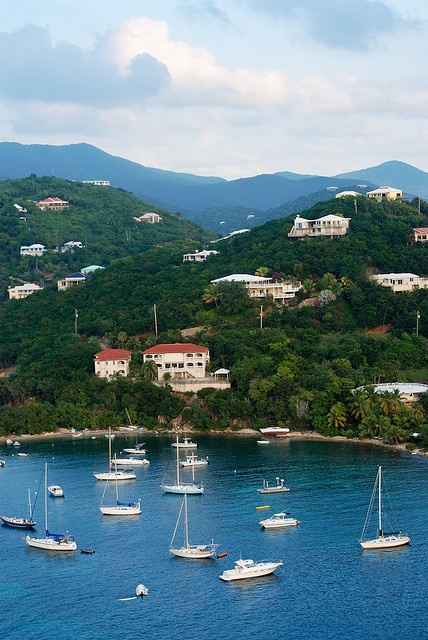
pixel 297 367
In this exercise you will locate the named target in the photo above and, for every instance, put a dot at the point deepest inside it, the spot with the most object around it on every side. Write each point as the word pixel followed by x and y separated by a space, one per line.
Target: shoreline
pixel 298 435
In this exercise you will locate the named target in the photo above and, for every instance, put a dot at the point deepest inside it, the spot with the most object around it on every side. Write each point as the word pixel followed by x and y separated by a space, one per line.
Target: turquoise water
pixel 327 588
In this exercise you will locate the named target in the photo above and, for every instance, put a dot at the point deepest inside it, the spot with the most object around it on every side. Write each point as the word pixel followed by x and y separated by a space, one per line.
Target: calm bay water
pixel 327 588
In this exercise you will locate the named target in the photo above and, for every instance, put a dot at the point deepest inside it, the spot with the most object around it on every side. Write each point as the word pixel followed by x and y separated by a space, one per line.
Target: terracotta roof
pixel 113 354
pixel 52 200
pixel 421 229
pixel 177 347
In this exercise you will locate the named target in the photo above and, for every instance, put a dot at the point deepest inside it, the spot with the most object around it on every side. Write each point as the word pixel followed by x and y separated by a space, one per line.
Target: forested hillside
pixel 297 367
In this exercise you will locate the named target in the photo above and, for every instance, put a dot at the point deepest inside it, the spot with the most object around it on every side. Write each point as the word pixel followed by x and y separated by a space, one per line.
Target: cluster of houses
pixel 183 365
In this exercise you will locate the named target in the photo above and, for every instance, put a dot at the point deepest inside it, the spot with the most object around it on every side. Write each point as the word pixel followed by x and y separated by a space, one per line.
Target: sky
pixel 227 88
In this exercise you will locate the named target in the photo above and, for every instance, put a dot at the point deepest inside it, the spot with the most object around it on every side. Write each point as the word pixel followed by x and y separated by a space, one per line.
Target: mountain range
pixel 212 202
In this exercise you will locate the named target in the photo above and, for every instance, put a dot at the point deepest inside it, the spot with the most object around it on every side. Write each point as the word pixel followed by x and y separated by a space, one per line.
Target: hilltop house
pixel 149 217
pixel 112 362
pixel 420 234
pixel 409 391
pixel 330 226
pixel 55 204
pixel 385 193
pixel 89 270
pixel 199 256
pixel 400 281
pixel 260 287
pixel 71 246
pixel 72 281
pixel 98 183
pixel 22 290
pixel 32 250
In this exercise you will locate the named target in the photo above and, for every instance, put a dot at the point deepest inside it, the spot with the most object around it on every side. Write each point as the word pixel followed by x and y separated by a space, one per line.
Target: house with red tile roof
pixel 53 203
pixel 112 362
pixel 181 360
pixel 420 234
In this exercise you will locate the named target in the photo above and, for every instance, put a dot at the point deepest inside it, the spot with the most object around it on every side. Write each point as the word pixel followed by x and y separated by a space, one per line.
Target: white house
pixel 22 290
pixel 330 226
pixel 112 362
pixel 199 256
pixel 149 217
pixel 385 193
pixel 409 391
pixel 32 250
pixel 181 360
pixel 98 183
pixel 72 281
pixel 53 203
pixel 71 246
pixel 89 270
pixel 420 234
pixel 260 287
pixel 400 281
pixel 347 194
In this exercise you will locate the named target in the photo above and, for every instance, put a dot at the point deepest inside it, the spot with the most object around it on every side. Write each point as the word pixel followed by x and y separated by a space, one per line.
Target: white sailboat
pixel 22 523
pixel 382 540
pixel 129 426
pixel 52 541
pixel 195 551
pixel 119 508
pixel 117 474
pixel 182 487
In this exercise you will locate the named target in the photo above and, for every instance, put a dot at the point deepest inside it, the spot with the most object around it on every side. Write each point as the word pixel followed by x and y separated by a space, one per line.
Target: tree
pixel 212 294
pixel 149 370
pixel 337 416
pixel 262 271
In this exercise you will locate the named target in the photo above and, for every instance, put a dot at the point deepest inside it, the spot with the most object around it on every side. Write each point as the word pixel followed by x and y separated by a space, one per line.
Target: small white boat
pixel 136 450
pixel 185 444
pixel 56 491
pixel 2 463
pixel 178 486
pixel 53 541
pixel 192 551
pixel 278 521
pixel 263 441
pixel 278 488
pixel 141 591
pixel 133 462
pixel 22 455
pixel 16 443
pixel 278 432
pixel 9 441
pixel 382 540
pixel 249 569
pixel 119 508
pixel 194 461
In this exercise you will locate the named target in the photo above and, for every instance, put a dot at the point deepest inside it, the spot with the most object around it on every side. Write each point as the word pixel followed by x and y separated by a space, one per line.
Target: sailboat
pixel 129 426
pixel 182 487
pixel 383 540
pixel 117 474
pixel 119 508
pixel 22 523
pixel 52 541
pixel 197 551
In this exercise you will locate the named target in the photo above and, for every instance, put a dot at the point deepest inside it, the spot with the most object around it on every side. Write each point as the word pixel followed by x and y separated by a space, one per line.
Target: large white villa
pixel 112 362
pixel 23 290
pixel 260 286
pixel 330 226
pixel 400 281
pixel 385 193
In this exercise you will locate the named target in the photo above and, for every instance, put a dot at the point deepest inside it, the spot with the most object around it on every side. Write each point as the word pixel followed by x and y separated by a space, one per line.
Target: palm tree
pixel 262 271
pixel 149 370
pixel 389 402
pixel 212 294
pixel 361 405
pixel 337 416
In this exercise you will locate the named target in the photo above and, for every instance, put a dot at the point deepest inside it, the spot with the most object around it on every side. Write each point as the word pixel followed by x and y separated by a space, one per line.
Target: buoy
pixel 221 555
pixel 265 507
pixel 88 551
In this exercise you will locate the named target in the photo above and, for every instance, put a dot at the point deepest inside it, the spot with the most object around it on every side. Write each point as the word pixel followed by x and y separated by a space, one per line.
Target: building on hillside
pixel 23 290
pixel 32 250
pixel 72 281
pixel 20 209
pixel 409 391
pixel 98 183
pixel 181 360
pixel 149 217
pixel 330 226
pixel 385 193
pixel 71 246
pixel 55 204
pixel 347 194
pixel 112 362
pixel 261 287
pixel 199 256
pixel 89 270
pixel 420 234
pixel 400 281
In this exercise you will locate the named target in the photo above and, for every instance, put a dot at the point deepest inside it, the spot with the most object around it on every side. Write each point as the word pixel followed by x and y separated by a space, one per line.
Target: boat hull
pixel 276 432
pixel 56 491
pixel 272 523
pixel 121 510
pixel 135 452
pixel 255 571
pixel 194 552
pixel 18 523
pixel 182 489
pixel 132 462
pixel 385 542
pixel 112 476
pixel 52 544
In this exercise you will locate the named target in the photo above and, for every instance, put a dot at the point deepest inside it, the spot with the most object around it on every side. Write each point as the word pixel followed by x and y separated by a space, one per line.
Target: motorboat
pixel 278 521
pixel 176 485
pixel 56 491
pixel 21 454
pixel 185 444
pixel 245 569
pixel 187 550
pixel 52 541
pixel 382 540
pixel 2 463
pixel 263 441
pixel 194 461
pixel 278 432
pixel 133 462
pixel 136 450
pixel 277 488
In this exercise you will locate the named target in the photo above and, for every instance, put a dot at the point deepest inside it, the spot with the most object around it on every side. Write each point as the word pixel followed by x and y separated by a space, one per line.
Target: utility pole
pixel 418 315
pixel 261 316
pixel 76 315
pixel 156 321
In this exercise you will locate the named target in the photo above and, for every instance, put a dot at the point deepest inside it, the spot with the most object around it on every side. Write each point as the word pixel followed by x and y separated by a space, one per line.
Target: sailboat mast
pixel 30 508
pixel 380 502
pixel 177 464
pixel 46 497
pixel 186 523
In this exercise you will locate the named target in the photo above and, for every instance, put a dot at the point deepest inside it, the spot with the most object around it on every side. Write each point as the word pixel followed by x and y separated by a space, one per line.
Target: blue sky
pixel 231 88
